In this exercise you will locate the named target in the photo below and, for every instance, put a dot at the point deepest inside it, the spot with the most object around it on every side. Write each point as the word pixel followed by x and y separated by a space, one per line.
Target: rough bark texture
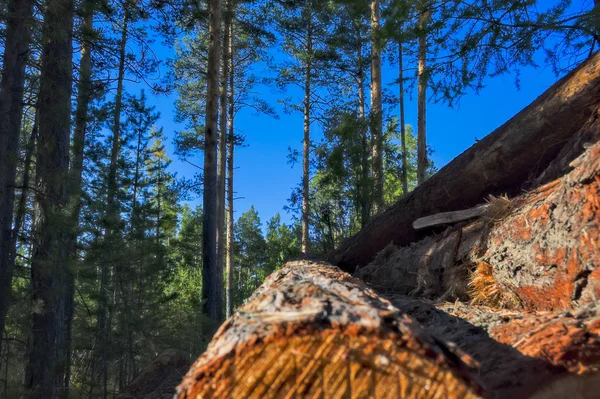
pixel 223 116
pixel 313 331
pixel 517 352
pixel 402 121
pixel 44 369
pixel 306 140
pixel 376 107
pixel 538 251
pixel 503 162
pixel 210 279
pixel 422 162
pixel 16 46
pixel 230 166
pixel 84 93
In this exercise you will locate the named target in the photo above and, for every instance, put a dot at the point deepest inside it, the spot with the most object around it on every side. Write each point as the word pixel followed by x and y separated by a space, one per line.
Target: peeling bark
pixel 313 331
pixel 517 352
pixel 538 251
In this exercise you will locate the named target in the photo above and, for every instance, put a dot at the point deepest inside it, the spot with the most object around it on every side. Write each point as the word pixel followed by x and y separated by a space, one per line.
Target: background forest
pixel 109 256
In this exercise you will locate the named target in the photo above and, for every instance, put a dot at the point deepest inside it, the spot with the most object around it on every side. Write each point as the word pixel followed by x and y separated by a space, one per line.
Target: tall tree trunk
pixel 210 277
pixel 306 143
pixel 402 121
pixel 422 162
pixel 44 374
pixel 376 108
pixel 84 91
pixel 222 170
pixel 230 165
pixel 365 203
pixel 16 48
pixel 112 219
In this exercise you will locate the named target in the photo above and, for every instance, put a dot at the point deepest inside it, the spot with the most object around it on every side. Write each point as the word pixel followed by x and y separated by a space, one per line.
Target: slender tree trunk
pixel 306 145
pixel 376 108
pixel 365 203
pixel 210 278
pixel 84 91
pixel 230 165
pixel 45 368
pixel 16 48
pixel 222 170
pixel 422 162
pixel 112 218
pixel 402 121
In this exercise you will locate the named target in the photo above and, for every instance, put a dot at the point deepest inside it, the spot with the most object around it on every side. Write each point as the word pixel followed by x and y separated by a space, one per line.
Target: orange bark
pixel 313 331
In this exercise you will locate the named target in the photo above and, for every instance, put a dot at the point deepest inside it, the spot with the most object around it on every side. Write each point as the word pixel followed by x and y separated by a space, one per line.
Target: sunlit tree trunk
pixel 230 166
pixel 210 277
pixel 422 162
pixel 44 374
pixel 402 121
pixel 306 141
pixel 376 108
pixel 222 170
pixel 16 46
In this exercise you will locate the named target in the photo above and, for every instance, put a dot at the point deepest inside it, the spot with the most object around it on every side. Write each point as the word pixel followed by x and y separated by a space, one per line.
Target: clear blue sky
pixel 263 177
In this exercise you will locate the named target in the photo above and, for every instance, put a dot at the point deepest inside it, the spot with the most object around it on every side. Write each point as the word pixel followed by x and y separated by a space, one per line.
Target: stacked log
pixel 312 331
pixel 504 162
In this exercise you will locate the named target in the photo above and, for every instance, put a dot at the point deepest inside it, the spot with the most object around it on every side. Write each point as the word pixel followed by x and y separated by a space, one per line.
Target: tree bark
pixel 306 141
pixel 402 121
pixel 112 220
pixel 376 108
pixel 222 170
pixel 422 162
pixel 84 92
pixel 518 352
pixel 230 167
pixel 16 51
pixel 365 194
pixel 535 252
pixel 44 376
pixel 313 331
pixel 503 162
pixel 210 279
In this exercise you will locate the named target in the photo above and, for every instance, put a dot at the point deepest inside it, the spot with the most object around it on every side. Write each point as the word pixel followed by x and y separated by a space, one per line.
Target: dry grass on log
pixel 543 255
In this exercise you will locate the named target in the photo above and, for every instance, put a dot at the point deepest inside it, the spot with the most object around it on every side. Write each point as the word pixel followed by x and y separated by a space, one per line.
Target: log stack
pixel 502 302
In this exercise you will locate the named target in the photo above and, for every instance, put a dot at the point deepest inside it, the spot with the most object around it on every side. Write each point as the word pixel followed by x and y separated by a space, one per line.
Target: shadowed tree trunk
pixel 44 376
pixel 84 92
pixel 365 194
pixel 16 51
pixel 210 278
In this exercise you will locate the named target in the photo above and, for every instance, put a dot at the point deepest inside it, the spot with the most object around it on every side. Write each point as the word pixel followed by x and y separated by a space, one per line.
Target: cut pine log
pixel 539 251
pixel 503 162
pixel 518 352
pixel 312 331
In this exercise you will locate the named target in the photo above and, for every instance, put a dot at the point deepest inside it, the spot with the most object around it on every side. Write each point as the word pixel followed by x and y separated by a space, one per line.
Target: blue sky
pixel 263 177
